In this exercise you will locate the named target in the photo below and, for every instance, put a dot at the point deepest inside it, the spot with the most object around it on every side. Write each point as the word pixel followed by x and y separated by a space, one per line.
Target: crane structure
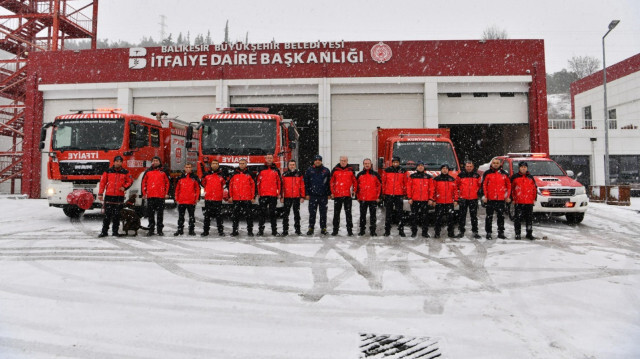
pixel 27 26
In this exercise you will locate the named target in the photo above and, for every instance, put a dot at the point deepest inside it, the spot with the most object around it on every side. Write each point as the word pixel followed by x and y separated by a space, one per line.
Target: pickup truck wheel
pixel 72 211
pixel 574 218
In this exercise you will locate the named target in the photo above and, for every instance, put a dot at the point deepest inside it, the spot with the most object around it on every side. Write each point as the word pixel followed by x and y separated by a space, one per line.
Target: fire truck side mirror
pixel 188 144
pixel 292 134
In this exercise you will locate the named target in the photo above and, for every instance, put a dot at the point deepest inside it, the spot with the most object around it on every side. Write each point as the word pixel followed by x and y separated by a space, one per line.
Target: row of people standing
pixel 318 185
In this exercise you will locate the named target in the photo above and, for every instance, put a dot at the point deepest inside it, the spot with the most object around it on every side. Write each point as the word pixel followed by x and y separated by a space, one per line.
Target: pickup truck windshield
pixel 88 134
pixel 433 154
pixel 541 168
pixel 239 137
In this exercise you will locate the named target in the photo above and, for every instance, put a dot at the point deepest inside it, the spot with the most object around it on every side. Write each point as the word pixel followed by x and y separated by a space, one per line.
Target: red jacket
pixel 369 185
pixel 242 186
pixel 155 183
pixel 293 184
pixel 112 180
pixel 269 182
pixel 468 184
pixel 496 185
pixel 420 187
pixel 213 183
pixel 394 181
pixel 523 188
pixel 446 191
pixel 187 189
pixel 342 180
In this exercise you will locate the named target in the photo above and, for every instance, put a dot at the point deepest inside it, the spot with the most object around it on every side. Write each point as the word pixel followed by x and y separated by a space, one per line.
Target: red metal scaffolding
pixel 27 26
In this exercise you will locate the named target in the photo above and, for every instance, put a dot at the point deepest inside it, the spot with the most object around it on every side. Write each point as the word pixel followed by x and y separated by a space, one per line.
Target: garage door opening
pixel 305 117
pixel 480 143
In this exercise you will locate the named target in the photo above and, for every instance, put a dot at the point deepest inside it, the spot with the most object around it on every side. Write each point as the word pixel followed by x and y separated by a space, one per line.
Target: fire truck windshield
pixel 239 137
pixel 88 134
pixel 433 154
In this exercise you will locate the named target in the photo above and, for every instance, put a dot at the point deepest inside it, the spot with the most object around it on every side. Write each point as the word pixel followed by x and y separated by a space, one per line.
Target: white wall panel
pixel 354 117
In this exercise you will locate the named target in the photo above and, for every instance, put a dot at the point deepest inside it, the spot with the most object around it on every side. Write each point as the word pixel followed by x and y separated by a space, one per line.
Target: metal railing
pixel 620 124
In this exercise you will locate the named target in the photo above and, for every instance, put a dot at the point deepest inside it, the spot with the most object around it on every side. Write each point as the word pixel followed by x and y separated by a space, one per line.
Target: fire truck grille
pixel 68 168
pixel 561 192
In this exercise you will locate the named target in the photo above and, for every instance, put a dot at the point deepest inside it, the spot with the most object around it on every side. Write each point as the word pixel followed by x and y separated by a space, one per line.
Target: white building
pixel 579 144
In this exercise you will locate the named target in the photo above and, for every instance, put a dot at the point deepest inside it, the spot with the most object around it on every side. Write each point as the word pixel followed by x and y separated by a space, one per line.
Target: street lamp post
pixel 607 179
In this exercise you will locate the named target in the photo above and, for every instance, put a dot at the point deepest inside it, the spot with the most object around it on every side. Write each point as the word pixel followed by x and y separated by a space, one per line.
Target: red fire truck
pixel 245 132
pixel 432 146
pixel 429 145
pixel 84 144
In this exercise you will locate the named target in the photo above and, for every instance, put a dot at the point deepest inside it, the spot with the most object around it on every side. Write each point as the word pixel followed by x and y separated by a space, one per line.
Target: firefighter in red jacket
pixel 496 187
pixel 187 194
pixel 469 185
pixel 343 187
pixel 242 193
pixel 213 182
pixel 369 188
pixel 269 185
pixel 523 192
pixel 446 198
pixel 394 189
pixel 155 188
pixel 113 183
pixel 421 191
pixel 293 194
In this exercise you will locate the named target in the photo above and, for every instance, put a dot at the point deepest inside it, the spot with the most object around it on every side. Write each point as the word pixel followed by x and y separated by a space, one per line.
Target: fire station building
pixel 336 92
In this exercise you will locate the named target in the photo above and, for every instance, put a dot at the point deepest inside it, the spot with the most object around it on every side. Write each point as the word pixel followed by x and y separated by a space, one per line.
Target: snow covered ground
pixel 65 293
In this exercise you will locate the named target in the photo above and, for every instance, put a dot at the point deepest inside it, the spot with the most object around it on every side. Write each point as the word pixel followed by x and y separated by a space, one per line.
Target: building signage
pixel 320 52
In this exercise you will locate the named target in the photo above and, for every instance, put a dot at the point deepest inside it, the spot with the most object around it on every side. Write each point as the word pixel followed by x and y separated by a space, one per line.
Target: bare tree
pixel 494 33
pixel 583 66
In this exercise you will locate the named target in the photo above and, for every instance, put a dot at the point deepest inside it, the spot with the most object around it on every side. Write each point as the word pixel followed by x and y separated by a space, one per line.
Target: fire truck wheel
pixel 511 210
pixel 574 218
pixel 72 211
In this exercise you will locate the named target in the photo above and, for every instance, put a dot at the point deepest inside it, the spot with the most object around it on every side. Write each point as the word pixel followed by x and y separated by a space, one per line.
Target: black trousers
pixel 445 210
pixel 315 203
pixel 338 202
pixel 420 215
pixel 523 211
pixel 241 208
pixel 472 206
pixel 372 207
pixel 393 211
pixel 112 207
pixel 182 208
pixel 155 206
pixel 288 204
pixel 267 207
pixel 498 207
pixel 210 210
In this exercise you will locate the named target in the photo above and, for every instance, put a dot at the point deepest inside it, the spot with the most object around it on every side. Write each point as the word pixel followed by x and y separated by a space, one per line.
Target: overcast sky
pixel 568 27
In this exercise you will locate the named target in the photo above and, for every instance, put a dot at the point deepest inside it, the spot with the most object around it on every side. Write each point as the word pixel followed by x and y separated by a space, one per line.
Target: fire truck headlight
pixel 50 191
pixel 580 190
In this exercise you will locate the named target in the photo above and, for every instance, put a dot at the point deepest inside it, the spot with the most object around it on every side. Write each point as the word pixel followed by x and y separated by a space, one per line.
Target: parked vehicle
pixel 84 144
pixel 558 193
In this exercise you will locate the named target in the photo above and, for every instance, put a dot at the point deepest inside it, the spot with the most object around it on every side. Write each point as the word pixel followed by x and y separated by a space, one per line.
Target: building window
pixel 588 121
pixel 480 94
pixel 613 120
pixel 624 169
pixel 454 94
pixel 507 94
